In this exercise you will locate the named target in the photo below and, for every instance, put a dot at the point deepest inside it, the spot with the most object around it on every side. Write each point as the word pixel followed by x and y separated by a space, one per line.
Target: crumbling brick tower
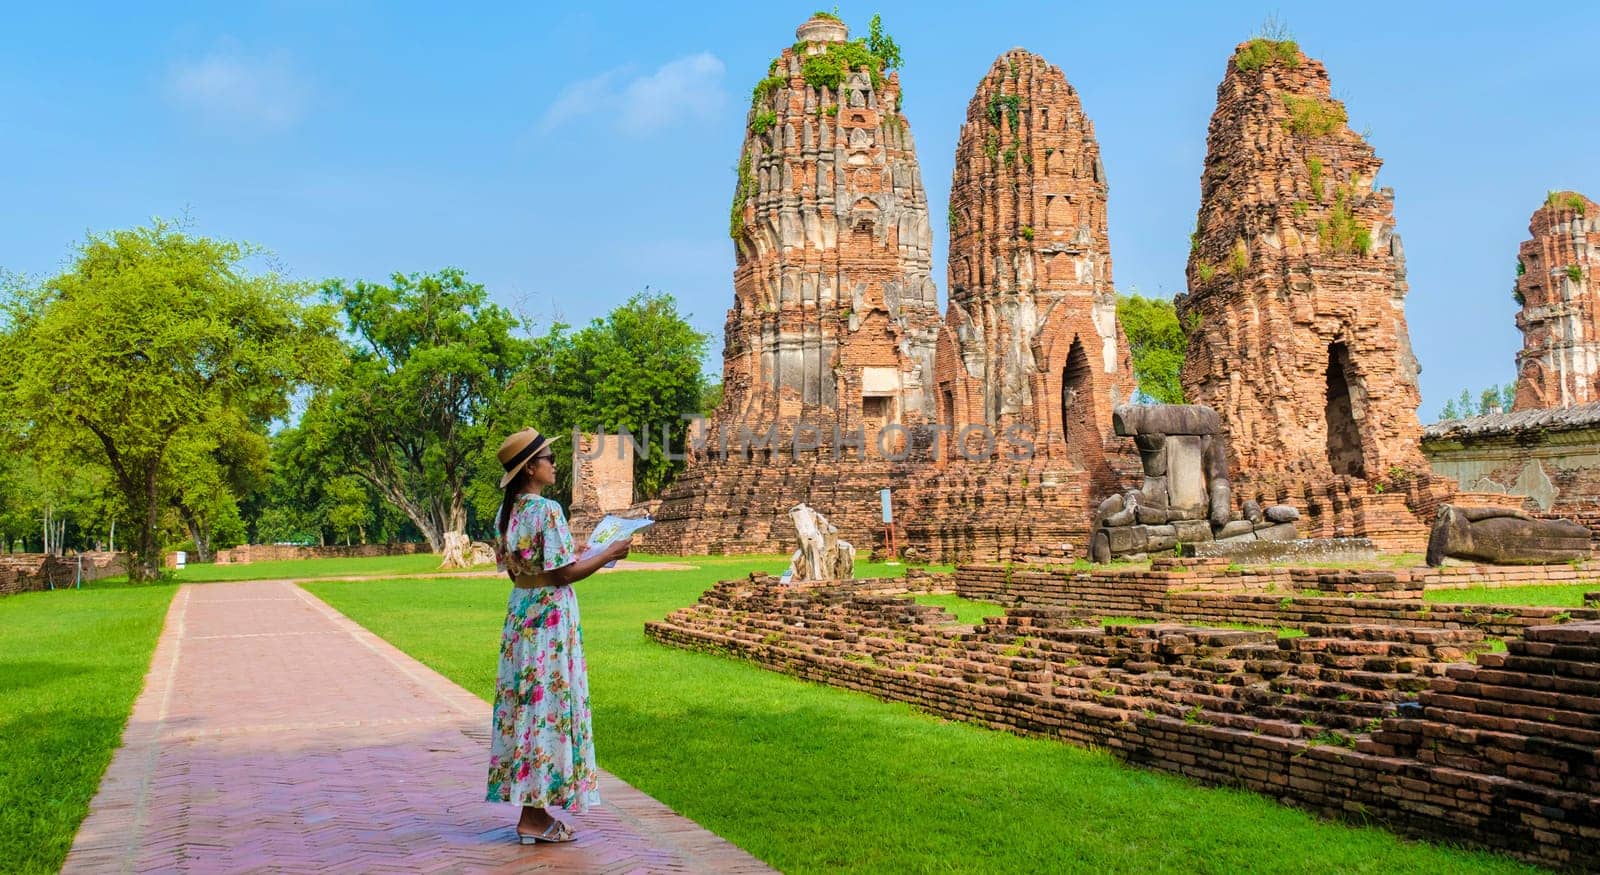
pixel 1031 336
pixel 1559 364
pixel 1295 311
pixel 834 312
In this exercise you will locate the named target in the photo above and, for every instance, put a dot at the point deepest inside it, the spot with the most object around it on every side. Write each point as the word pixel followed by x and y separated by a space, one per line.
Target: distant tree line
pixel 168 390
pixel 1495 399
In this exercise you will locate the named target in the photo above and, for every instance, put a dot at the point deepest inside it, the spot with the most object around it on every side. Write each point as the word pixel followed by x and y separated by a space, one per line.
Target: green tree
pixel 410 415
pixel 1156 344
pixel 151 338
pixel 211 470
pixel 1495 399
pixel 638 368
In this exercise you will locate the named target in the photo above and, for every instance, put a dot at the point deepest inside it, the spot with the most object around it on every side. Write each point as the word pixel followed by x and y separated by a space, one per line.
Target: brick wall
pixel 31 572
pixel 1361 719
pixel 247 553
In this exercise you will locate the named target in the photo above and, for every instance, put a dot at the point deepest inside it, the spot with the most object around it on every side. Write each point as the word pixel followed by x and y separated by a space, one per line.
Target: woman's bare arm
pixel 573 572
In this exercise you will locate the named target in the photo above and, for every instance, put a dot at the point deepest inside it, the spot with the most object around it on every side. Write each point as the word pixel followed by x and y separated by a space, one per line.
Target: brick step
pixel 1540 665
pixel 1586 707
pixel 1542 682
pixel 1460 713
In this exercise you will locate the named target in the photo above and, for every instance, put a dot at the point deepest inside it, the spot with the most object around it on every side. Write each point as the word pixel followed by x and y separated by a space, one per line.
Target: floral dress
pixel 541 749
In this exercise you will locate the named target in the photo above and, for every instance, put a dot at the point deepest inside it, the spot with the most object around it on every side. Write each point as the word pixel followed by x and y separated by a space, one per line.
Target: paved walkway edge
pixel 118 827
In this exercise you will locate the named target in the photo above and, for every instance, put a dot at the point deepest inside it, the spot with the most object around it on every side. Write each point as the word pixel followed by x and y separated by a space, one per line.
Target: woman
pixel 542 750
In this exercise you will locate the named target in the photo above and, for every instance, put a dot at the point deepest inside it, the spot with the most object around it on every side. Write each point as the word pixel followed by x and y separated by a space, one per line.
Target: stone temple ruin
pixel 1343 693
pixel 1295 311
pixel 1559 365
pixel 991 426
pixel 1186 500
pixel 1540 457
pixel 1337 689
pixel 1031 337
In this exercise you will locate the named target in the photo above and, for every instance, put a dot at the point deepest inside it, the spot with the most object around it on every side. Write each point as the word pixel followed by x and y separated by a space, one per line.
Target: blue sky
pixel 569 157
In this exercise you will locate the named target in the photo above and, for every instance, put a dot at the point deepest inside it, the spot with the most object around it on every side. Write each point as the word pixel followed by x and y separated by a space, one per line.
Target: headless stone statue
pixel 1502 536
pixel 821 556
pixel 1185 497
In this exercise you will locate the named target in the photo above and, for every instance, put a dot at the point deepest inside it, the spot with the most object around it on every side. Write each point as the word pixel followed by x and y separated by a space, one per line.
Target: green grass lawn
pixel 969 611
pixel 71 664
pixel 416 563
pixel 1563 596
pixel 814 778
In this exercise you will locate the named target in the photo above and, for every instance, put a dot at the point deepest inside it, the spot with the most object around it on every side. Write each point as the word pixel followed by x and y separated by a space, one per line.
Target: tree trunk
pixel 145 561
pixel 458 512
pixel 197 534
pixel 426 523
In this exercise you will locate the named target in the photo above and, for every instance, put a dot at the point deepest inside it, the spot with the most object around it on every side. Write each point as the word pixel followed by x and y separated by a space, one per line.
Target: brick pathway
pixel 274 734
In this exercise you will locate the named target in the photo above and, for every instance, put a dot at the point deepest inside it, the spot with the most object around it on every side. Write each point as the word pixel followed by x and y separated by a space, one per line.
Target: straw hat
pixel 518 450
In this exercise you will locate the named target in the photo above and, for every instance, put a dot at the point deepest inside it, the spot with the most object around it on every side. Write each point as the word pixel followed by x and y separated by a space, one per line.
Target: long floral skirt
pixel 542 747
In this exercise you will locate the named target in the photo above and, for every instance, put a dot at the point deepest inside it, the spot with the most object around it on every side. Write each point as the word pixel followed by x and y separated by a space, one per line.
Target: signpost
pixel 888 526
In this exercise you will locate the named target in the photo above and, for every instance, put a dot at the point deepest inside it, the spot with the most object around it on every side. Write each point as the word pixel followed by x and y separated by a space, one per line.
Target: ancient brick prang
pixel 834 312
pixel 1559 364
pixel 834 323
pixel 1295 316
pixel 1031 335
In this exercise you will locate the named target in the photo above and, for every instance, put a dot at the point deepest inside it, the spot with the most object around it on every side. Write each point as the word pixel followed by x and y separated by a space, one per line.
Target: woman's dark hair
pixel 509 501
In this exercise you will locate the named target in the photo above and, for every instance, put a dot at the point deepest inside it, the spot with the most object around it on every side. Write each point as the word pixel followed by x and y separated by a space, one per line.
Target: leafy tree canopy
pixel 153 339
pixel 1157 345
pixel 411 413
pixel 1495 399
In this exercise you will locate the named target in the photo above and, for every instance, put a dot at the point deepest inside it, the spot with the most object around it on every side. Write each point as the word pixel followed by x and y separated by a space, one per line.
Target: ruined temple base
pixel 960 511
pixel 1381 709
pixel 1396 517
pixel 1308 551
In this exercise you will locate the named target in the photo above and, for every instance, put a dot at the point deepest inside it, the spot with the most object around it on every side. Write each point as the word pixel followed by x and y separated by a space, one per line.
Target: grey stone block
pixel 1234 529
pixel 1278 532
pixel 1282 513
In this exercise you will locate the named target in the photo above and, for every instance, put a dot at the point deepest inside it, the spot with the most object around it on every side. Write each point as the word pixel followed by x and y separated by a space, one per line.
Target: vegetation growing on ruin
pixel 1010 155
pixel 1341 232
pixel 1565 200
pixel 764 89
pixel 833 65
pixel 1314 175
pixel 1009 105
pixel 991 146
pixel 1156 344
pixel 1205 270
pixel 1262 52
pixel 1239 259
pixel 1313 116
pixel 763 121
pixel 877 51
pixel 831 16
pixel 1575 273
pixel 743 191
pixel 882 45
pixel 1027 232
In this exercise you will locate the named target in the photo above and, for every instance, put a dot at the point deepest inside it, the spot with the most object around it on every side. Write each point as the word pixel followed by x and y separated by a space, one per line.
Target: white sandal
pixel 556 832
